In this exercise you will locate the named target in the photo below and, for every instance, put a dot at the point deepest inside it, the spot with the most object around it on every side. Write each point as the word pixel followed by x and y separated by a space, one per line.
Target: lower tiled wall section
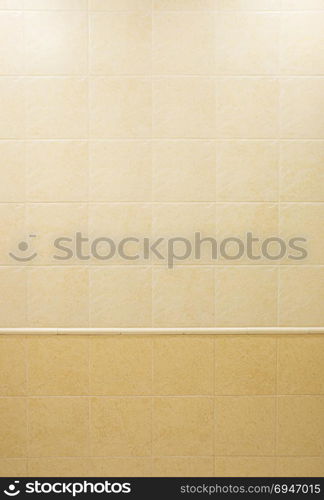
pixel 178 405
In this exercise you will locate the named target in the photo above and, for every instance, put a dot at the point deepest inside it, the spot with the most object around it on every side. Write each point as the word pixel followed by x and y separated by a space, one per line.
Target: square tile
pixel 246 296
pixel 13 467
pixel 58 467
pixel 301 296
pixel 114 297
pixel 301 43
pixel 245 426
pixel 183 426
pixel 56 108
pixel 301 171
pixel 120 467
pixel 12 227
pixel 247 171
pixel 184 170
pixel 12 365
pixel 13 422
pixel 120 107
pixel 120 171
pixel 120 366
pixel 55 226
pixel 58 427
pixel 58 297
pixel 245 365
pixel 183 366
pixel 300 466
pixel 183 108
pixel 247 108
pixel 246 43
pixel 300 365
pixel 304 435
pixel 244 232
pixel 183 296
pixel 183 43
pixel 57 171
pixel 183 4
pixel 300 110
pixel 120 427
pixel 55 4
pixel 58 365
pixel 119 5
pixel 55 43
pixel 120 43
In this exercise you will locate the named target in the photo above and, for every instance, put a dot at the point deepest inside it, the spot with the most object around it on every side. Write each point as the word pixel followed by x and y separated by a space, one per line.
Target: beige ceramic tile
pixel 245 365
pixel 300 466
pixel 300 365
pixel 245 426
pixel 58 297
pixel 12 228
pixel 183 4
pixel 183 43
pixel 176 221
pixel 183 296
pixel 244 221
pixel 183 426
pixel 120 171
pixel 246 43
pixel 58 427
pixel 55 42
pixel 183 366
pixel 58 365
pixel 301 296
pixel 120 467
pixel 114 297
pixel 11 43
pixel 301 43
pixel 120 108
pixel 183 467
pixel 300 109
pixel 247 171
pixel 247 108
pixel 246 296
pixel 58 467
pixel 56 108
pixel 50 223
pixel 13 424
pixel 184 170
pixel 12 365
pixel 300 220
pixel 120 366
pixel 120 5
pixel 120 43
pixel 245 466
pixel 13 297
pixel 119 222
pixel 13 467
pixel 57 171
pixel 12 108
pixel 300 425
pixel 55 4
pixel 109 438
pixel 12 171
pixel 183 107
pixel 248 4
pixel 301 171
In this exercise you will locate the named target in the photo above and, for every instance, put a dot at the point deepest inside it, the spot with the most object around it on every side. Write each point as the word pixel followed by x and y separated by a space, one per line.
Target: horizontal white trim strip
pixel 271 330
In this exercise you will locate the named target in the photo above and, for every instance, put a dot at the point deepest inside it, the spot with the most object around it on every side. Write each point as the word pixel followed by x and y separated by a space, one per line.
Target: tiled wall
pixel 161 118
pixel 158 118
pixel 165 405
